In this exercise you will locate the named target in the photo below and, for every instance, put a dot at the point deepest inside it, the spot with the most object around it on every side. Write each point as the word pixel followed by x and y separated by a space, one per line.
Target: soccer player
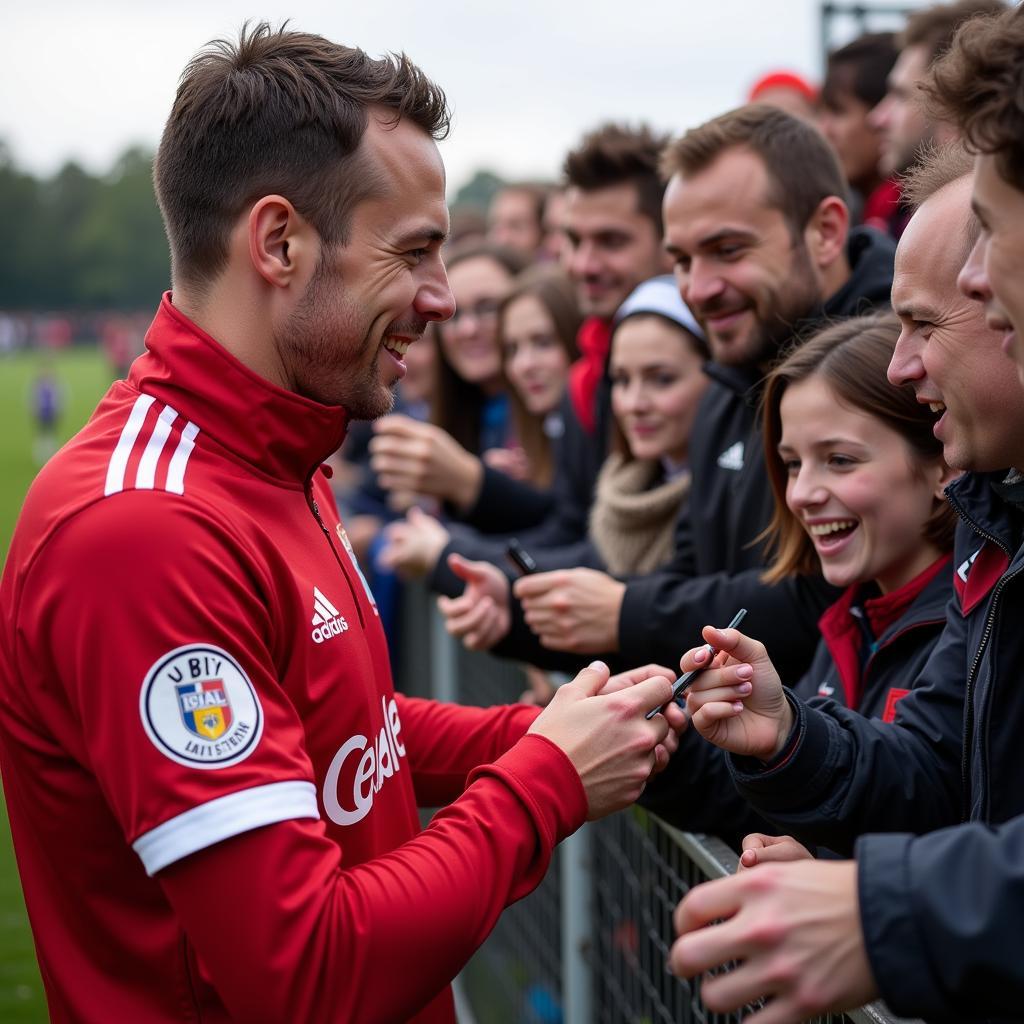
pixel 212 784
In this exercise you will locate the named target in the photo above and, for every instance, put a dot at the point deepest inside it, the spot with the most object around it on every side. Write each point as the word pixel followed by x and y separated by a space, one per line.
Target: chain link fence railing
pixel 589 945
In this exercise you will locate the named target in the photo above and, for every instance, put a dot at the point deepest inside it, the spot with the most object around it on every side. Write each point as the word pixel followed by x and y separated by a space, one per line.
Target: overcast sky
pixel 84 80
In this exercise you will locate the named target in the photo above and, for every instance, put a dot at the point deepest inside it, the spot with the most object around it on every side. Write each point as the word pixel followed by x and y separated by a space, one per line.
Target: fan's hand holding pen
pixel 738 703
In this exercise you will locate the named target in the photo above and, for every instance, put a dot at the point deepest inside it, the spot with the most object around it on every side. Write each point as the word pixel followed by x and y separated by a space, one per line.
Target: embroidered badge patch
pixel 199 708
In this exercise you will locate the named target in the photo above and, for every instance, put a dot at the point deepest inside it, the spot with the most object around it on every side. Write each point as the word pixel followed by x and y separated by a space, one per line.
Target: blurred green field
pixel 84 376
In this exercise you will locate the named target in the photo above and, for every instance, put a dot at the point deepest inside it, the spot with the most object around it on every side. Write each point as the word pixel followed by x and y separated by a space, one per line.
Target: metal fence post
pixel 443 672
pixel 577 927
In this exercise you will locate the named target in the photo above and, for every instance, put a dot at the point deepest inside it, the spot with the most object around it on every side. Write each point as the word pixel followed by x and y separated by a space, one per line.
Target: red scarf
pixel 585 374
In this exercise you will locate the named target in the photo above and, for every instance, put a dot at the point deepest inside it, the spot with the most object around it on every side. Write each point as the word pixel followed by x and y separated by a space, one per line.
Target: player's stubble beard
pixel 325 345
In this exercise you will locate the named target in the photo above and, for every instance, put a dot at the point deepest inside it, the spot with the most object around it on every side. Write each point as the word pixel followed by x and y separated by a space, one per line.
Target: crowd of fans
pixel 690 378
pixel 767 364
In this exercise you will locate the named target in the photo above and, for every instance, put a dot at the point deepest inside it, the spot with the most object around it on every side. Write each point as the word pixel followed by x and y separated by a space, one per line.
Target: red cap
pixel 783 80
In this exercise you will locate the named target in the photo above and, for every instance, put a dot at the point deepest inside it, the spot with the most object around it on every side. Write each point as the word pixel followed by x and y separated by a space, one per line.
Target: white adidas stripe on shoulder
pixel 155 440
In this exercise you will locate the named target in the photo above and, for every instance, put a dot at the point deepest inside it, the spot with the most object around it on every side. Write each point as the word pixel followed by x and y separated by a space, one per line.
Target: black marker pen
pixel 687 677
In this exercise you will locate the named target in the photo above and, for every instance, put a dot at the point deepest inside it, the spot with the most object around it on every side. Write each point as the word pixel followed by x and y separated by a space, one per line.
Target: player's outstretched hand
pixel 677 718
pixel 605 735
pixel 738 704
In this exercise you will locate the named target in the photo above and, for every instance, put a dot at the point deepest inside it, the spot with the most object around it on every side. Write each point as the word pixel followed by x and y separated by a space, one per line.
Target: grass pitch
pixel 83 376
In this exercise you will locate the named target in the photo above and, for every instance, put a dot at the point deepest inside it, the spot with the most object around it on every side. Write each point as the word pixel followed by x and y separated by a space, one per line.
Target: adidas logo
pixel 732 457
pixel 326 620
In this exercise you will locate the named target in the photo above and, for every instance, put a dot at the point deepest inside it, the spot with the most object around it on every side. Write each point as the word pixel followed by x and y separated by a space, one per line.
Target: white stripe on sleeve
pixel 226 816
pixel 179 460
pixel 146 475
pixel 129 435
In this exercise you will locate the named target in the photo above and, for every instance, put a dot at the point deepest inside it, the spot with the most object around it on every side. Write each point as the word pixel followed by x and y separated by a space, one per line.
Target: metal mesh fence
pixel 515 978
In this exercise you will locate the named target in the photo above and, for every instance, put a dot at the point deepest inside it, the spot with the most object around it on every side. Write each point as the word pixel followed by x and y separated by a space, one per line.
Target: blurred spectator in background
pixel 515 219
pixel 468 227
pixel 537 323
pixel 786 90
pixel 906 128
pixel 47 404
pixel 656 366
pixel 855 83
pixel 469 408
pixel 553 246
pixel 612 230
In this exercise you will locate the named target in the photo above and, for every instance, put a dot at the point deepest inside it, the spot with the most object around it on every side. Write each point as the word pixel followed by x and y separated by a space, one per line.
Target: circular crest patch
pixel 199 708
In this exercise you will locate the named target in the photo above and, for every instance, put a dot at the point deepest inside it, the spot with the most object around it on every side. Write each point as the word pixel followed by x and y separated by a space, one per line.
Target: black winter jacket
pixel 942 913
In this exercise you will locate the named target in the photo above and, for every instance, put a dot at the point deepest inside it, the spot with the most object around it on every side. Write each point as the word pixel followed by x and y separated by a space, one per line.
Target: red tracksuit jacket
pixel 212 785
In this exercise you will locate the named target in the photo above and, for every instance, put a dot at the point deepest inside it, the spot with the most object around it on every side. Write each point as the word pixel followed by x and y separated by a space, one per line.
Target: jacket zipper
pixel 314 507
pixel 965 768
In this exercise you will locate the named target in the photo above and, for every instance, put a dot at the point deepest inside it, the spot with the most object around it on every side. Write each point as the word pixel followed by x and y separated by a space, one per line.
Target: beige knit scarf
pixel 632 520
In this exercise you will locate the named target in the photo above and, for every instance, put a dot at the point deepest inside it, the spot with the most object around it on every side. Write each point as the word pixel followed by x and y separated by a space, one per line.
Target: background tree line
pixel 80 241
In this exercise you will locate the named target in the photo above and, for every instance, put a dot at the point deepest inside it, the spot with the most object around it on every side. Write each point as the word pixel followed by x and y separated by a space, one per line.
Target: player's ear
pixel 283 246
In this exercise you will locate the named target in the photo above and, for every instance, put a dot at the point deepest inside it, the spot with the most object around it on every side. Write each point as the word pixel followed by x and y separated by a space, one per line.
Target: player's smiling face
pixel 371 298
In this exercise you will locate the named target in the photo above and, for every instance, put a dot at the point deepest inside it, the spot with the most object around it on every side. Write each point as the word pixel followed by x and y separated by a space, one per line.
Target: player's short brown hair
pixel 276 112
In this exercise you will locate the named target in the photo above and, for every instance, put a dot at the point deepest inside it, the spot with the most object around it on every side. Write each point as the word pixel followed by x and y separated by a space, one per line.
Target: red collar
pixel 283 434
pixel 885 609
pixel 842 633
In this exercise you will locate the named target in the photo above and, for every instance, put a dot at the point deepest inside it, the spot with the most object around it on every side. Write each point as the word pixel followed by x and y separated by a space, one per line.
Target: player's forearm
pixel 294 936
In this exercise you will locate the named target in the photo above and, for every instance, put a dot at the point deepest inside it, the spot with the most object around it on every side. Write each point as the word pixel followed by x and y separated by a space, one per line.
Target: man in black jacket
pixel 929 921
pixel 759 235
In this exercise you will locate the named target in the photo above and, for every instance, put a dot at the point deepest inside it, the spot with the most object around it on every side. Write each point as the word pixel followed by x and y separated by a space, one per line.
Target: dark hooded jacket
pixel 941 912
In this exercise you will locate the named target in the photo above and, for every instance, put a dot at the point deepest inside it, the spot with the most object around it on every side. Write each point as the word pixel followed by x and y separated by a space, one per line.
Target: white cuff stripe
pixel 226 816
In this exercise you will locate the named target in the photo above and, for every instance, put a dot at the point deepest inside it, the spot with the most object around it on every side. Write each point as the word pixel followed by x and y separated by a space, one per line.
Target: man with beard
pixel 612 226
pixel 212 784
pixel 928 914
pixel 759 236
